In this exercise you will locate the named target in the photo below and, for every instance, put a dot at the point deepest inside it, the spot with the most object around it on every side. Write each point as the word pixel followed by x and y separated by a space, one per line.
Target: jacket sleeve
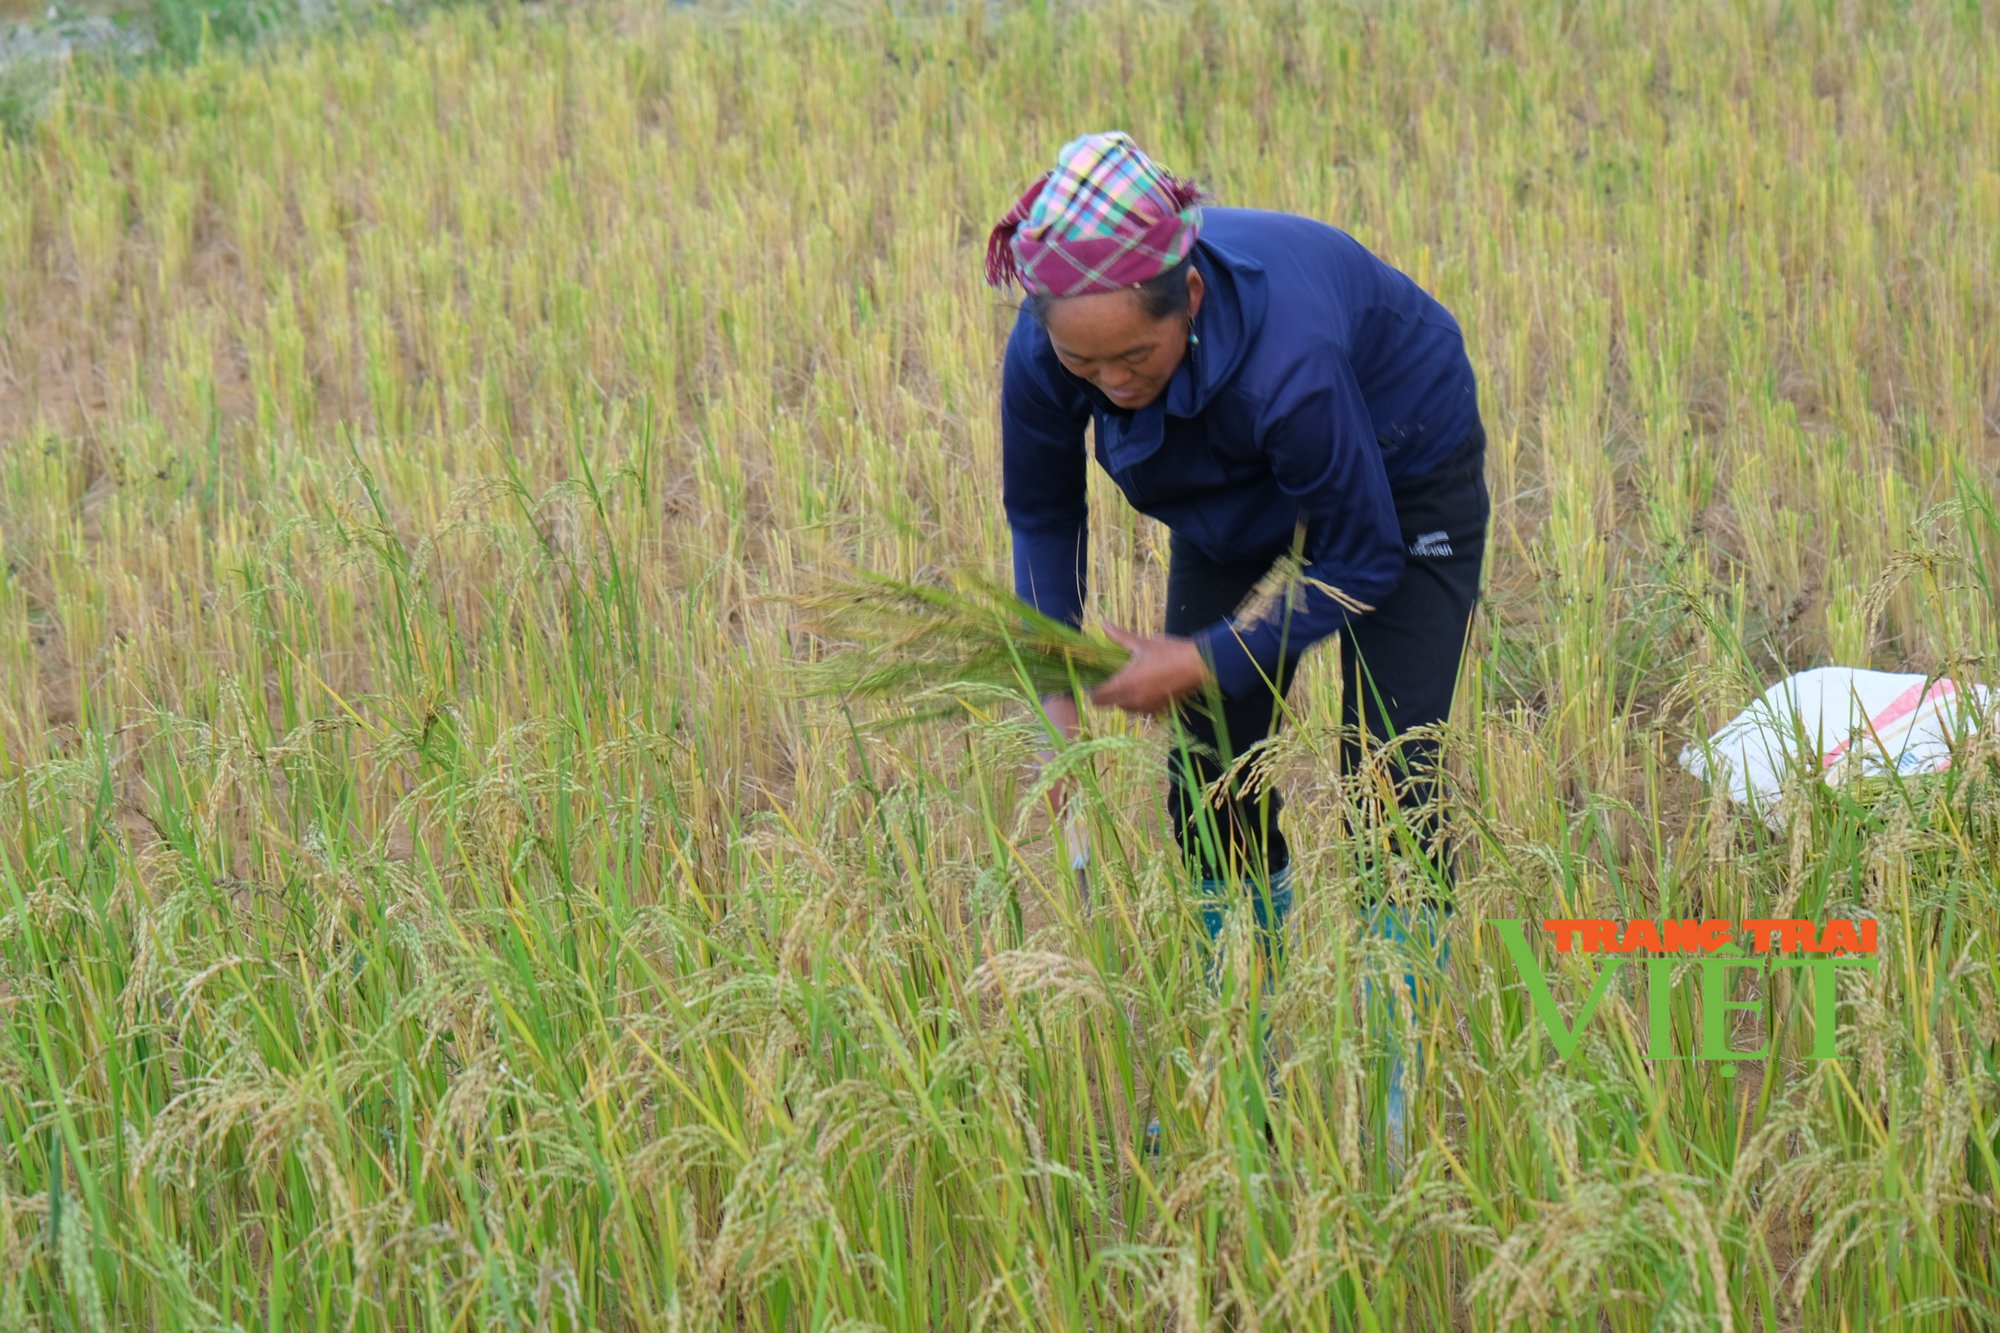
pixel 1322 449
pixel 1043 476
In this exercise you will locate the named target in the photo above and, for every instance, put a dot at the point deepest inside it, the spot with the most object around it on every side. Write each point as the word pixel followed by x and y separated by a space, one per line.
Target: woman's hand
pixel 1061 712
pixel 1162 670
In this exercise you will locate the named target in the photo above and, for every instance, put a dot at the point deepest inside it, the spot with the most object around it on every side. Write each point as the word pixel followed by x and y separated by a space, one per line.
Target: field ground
pixel 424 905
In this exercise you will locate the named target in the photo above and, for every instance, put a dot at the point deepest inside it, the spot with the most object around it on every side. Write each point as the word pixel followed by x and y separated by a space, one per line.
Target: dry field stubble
pixel 423 904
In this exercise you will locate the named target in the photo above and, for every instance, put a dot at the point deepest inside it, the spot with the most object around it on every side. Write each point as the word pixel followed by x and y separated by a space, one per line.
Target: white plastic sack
pixel 1840 722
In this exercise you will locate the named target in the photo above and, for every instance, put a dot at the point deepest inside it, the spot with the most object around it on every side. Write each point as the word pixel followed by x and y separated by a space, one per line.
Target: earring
pixel 1194 339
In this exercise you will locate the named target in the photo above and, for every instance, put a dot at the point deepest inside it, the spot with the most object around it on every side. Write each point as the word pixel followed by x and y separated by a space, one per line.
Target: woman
pixel 1263 386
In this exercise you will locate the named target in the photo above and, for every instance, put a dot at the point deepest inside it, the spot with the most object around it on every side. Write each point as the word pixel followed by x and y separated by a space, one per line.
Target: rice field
pixel 427 900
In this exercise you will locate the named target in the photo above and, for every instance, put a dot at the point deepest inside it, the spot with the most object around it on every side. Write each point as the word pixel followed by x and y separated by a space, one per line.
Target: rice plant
pixel 903 639
pixel 447 883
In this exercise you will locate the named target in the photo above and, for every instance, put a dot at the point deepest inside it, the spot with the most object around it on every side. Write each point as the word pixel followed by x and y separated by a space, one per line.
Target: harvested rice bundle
pixel 898 640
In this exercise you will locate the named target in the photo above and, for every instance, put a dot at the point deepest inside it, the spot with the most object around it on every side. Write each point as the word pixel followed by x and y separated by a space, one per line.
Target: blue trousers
pixel 1417 930
pixel 1420 930
pixel 1399 670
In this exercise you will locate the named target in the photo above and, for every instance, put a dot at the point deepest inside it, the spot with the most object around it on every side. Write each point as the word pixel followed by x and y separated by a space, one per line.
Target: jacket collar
pixel 1232 310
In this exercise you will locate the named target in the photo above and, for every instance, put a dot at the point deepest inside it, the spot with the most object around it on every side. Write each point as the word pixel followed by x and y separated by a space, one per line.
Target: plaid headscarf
pixel 1107 217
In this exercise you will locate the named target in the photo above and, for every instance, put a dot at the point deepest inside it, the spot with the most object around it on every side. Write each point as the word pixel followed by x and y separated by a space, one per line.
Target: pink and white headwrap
pixel 1106 218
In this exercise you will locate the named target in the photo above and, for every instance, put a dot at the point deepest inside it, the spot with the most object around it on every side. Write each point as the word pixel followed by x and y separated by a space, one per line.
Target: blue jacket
pixel 1322 377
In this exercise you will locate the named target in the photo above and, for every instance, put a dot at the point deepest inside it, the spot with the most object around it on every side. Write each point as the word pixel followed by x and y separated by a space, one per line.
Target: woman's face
pixel 1107 339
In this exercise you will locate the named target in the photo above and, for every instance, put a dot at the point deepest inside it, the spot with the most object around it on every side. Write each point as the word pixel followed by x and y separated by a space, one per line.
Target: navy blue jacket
pixel 1322 377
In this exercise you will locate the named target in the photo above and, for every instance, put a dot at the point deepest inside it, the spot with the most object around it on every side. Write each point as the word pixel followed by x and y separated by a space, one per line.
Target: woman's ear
pixel 1195 289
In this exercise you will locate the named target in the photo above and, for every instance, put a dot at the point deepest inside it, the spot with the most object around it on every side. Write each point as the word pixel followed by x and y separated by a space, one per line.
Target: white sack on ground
pixel 1838 722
